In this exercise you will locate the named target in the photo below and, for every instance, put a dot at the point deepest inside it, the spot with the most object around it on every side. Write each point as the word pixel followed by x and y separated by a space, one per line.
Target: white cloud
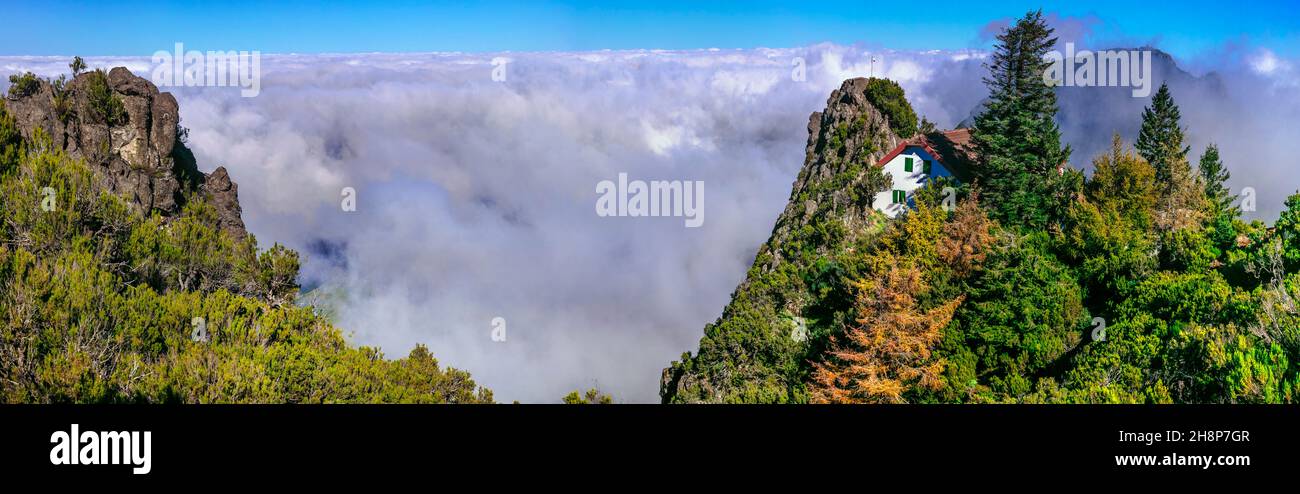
pixel 476 198
pixel 1265 62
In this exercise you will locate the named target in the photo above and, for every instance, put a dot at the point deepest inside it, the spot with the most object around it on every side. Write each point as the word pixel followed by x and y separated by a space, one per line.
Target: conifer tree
pixel 1016 135
pixel 890 350
pixel 1160 141
pixel 1219 200
pixel 1215 175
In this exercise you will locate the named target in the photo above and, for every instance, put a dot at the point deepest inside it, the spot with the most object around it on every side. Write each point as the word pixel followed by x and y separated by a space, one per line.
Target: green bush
pixel 104 106
pixel 888 97
pixel 11 141
pixel 100 305
pixel 24 84
pixel 78 66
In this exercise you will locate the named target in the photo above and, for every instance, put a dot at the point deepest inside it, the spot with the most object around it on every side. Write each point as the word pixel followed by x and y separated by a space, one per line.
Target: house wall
pixel 907 182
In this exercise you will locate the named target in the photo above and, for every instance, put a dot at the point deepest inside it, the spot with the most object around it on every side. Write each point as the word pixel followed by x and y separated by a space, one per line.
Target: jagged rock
pixel 223 194
pixel 866 137
pixel 140 159
pixel 166 116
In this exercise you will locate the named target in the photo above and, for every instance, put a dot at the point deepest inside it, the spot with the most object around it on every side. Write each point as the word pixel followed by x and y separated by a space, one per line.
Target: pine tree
pixel 1215 176
pixel 1017 137
pixel 1160 141
pixel 1219 200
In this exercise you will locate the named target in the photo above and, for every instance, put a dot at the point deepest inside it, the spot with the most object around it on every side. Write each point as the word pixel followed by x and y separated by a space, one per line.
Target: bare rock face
pixel 223 194
pixel 139 158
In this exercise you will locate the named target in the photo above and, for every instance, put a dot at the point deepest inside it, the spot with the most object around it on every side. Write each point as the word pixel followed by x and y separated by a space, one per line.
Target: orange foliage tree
pixel 890 348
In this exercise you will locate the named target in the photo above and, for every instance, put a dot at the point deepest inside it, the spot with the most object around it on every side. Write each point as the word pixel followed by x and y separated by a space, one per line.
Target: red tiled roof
pixel 951 148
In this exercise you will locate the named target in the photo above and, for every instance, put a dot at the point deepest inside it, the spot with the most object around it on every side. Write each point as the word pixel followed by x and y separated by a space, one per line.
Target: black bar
pixel 637 441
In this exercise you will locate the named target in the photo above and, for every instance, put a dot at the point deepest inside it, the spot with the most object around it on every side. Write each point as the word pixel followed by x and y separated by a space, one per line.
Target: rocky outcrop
pixel 139 157
pixel 849 132
pixel 748 353
pixel 223 194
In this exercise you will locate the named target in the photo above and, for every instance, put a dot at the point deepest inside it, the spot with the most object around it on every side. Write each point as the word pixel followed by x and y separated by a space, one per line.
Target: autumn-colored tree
pixel 965 236
pixel 890 348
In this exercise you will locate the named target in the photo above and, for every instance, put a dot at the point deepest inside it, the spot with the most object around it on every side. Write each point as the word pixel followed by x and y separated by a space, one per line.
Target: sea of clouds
pixel 476 198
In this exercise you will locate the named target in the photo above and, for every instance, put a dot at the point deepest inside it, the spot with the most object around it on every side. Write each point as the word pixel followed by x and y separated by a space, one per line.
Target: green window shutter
pixel 927 166
pixel 907 165
pixel 900 197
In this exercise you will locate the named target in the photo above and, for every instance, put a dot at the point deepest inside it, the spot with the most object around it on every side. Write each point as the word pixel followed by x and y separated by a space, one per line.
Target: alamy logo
pixel 656 198
pixel 242 69
pixel 1123 68
pixel 101 448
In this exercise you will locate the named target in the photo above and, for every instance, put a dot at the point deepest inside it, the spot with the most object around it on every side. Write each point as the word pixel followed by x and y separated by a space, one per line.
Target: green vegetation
pixel 24 84
pixel 592 396
pixel 1147 288
pixel 11 141
pixel 1017 137
pixel 98 304
pixel 888 96
pixel 1110 309
pixel 796 292
pixel 926 126
pixel 1160 141
pixel 62 100
pixel 104 106
pixel 1139 284
pixel 27 84
pixel 78 66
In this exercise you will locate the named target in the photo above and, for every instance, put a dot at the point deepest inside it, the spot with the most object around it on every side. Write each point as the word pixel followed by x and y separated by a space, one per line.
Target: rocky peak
pixel 137 155
pixel 747 354
pixel 845 138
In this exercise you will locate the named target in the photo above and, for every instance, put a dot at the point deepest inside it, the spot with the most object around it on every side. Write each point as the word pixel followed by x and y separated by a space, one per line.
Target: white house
pixel 917 160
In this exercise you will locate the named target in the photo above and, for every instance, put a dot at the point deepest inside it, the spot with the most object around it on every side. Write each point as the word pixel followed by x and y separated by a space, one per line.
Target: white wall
pixel 905 181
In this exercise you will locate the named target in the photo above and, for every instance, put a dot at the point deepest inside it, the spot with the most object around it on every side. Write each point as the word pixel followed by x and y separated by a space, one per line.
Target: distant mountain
pixel 1089 116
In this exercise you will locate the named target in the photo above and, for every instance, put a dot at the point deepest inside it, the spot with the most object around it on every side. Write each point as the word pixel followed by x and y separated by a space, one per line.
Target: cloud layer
pixel 476 198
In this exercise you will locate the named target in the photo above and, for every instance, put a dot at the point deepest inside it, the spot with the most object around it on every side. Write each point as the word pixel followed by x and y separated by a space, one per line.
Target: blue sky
pixel 59 27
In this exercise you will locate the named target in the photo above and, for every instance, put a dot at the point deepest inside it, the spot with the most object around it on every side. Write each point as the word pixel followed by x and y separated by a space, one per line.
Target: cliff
pixel 138 154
